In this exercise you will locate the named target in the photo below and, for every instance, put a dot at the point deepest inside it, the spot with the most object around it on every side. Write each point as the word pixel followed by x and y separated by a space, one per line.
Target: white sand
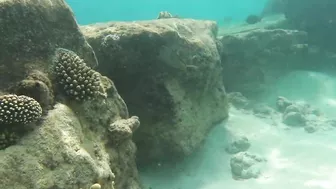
pixel 296 159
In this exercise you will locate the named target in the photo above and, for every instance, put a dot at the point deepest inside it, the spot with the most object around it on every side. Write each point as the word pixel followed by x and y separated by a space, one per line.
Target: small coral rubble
pixel 123 129
pixel 245 165
pixel 295 113
pixel 239 144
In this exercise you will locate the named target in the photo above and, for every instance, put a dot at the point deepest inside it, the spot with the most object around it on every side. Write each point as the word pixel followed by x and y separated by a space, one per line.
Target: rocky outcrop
pixel 70 147
pixel 315 17
pixel 169 73
pixel 302 114
pixel 30 32
pixel 254 58
pixel 283 113
pixel 64 153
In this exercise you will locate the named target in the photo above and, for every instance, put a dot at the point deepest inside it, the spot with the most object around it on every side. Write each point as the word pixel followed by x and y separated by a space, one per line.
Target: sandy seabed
pixel 295 159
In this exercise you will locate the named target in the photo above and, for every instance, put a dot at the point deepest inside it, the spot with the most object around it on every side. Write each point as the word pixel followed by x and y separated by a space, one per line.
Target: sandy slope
pixel 296 159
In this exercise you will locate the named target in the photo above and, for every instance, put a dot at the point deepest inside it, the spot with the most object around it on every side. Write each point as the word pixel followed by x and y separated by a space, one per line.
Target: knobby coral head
pixel 74 77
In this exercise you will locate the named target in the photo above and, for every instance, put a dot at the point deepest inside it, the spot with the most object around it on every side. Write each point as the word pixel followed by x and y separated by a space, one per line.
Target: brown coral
pixel 37 86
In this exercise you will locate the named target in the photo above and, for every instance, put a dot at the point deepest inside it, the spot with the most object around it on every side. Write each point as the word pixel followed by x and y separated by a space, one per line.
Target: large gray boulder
pixel 316 17
pixel 169 73
pixel 75 144
pixel 255 57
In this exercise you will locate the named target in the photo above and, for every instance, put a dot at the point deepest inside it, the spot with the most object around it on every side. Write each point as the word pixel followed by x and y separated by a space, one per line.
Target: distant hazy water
pixel 89 11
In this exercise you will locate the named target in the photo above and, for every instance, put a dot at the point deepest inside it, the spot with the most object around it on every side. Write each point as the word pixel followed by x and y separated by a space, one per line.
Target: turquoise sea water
pixel 88 11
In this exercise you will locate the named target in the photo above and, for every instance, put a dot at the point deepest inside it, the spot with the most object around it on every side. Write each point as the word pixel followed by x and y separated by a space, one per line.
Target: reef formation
pixel 169 71
pixel 62 124
pixel 63 119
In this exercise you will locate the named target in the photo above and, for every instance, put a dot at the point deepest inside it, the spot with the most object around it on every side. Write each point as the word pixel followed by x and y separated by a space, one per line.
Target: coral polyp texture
pixel 77 80
pixel 7 138
pixel 18 109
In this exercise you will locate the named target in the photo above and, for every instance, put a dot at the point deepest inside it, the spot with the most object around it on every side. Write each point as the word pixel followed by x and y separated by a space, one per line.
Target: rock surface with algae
pixel 69 148
pixel 169 73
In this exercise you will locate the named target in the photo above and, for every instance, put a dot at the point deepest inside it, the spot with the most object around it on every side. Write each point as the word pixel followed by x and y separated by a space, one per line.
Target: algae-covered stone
pixel 65 149
pixel 95 117
pixel 123 129
pixel 294 119
pixel 64 153
pixel 31 31
pixel 315 17
pixel 272 52
pixel 38 86
pixel 43 156
pixel 237 145
pixel 256 56
pixel 245 165
pixel 169 73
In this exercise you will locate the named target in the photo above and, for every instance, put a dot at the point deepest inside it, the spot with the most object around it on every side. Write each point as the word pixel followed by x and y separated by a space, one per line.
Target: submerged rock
pixel 169 73
pixel 253 19
pixel 65 153
pixel 43 156
pixel 255 58
pixel 69 147
pixel 238 145
pixel 262 110
pixel 238 100
pixel 315 17
pixel 164 15
pixel 245 165
pixel 270 51
pixel 294 119
pixel 282 103
pixel 123 129
pixel 38 86
pixel 302 114
pixel 30 32
pixel 331 122
pixel 293 108
pixel 71 150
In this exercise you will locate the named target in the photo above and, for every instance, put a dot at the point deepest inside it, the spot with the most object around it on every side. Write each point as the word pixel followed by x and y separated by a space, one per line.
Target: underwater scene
pixel 148 94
